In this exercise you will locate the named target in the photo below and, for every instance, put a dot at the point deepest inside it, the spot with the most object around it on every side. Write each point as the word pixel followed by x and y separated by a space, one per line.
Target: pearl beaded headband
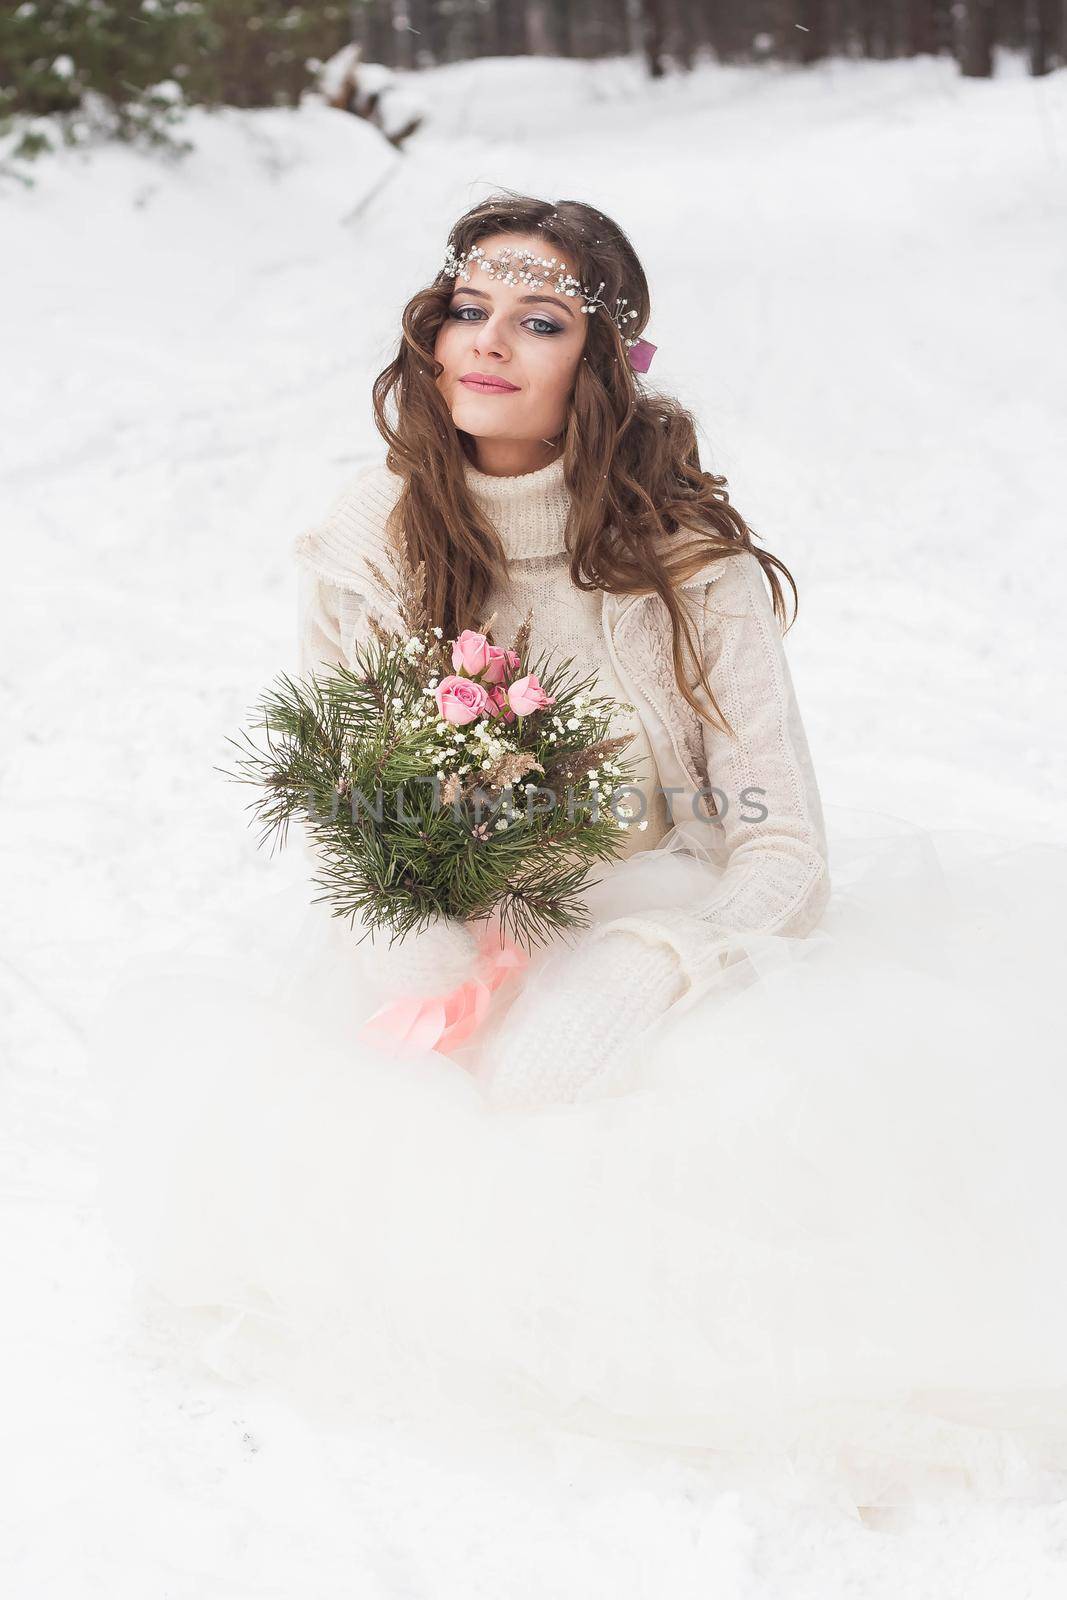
pixel 639 352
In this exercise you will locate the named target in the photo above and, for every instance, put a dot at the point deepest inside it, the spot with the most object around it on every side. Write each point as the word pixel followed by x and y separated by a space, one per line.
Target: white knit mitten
pixel 437 959
pixel 572 1041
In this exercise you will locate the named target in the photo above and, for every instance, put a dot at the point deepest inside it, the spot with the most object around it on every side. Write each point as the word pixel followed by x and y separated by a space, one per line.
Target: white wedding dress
pixel 817 1235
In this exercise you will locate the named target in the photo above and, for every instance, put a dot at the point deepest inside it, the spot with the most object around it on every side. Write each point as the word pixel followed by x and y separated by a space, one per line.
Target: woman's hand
pixel 432 962
pixel 574 1041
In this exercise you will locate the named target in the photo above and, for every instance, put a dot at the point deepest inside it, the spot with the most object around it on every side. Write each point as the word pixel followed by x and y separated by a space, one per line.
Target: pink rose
pixel 470 653
pixel 498 704
pixel 526 695
pixel 502 663
pixel 459 700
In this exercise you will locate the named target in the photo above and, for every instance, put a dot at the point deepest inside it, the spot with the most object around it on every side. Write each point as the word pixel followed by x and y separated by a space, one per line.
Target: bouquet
pixel 443 777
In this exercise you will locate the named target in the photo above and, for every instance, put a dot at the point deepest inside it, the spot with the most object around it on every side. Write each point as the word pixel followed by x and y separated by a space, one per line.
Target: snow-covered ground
pixel 858 280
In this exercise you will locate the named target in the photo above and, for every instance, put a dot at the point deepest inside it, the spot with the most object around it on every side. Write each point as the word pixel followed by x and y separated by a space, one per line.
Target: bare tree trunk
pixel 977 19
pixel 632 26
pixel 403 38
pixel 893 24
pixel 597 29
pixel 506 23
pixel 423 43
pixel 654 36
pixel 1042 21
pixel 811 26
pixel 883 22
pixel 539 37
pixel 919 36
pixel 682 33
pixel 731 30
pixel 375 31
pixel 563 25
pixel 868 28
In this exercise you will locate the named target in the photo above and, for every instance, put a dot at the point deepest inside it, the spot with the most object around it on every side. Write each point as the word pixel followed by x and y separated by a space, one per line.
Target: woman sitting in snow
pixel 529 472
pixel 743 1167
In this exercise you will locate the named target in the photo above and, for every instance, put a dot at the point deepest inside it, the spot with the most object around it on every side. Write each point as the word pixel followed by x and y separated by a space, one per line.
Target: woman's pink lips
pixel 490 385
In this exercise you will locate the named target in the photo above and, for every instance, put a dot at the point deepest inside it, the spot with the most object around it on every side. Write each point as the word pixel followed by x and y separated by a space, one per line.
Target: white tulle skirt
pixel 817 1236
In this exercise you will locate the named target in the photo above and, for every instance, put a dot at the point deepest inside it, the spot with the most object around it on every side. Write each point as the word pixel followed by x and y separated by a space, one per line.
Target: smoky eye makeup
pixel 550 328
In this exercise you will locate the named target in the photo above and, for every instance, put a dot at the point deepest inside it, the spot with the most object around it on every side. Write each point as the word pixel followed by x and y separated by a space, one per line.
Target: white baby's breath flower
pixel 501 825
pixel 438 633
pixel 572 723
pixel 643 824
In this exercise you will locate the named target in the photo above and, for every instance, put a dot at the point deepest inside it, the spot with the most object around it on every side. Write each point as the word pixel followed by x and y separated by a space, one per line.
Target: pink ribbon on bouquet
pixel 441 1022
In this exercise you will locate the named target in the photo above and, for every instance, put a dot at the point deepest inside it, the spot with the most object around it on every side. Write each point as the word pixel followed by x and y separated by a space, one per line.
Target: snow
pixel 857 279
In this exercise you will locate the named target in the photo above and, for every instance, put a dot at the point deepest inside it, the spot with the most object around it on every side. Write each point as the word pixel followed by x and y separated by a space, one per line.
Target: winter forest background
pixel 128 69
pixel 853 217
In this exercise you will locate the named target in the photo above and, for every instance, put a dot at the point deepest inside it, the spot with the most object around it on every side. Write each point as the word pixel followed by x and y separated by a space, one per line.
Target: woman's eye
pixel 547 326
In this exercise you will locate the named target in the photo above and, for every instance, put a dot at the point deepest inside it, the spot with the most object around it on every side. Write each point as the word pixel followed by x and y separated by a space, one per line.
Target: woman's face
pixel 529 340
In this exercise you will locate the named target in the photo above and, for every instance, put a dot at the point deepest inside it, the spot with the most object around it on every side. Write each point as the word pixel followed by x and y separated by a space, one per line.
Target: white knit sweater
pixel 776 878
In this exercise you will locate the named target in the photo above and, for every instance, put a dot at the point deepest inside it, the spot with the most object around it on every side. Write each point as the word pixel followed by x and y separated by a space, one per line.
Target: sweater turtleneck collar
pixel 528 509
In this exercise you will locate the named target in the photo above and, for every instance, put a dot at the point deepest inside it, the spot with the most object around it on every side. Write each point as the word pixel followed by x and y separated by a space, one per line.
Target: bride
pixel 748 1167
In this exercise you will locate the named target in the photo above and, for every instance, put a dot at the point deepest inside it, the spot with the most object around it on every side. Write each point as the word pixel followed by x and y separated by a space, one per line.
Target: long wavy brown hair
pixel 645 516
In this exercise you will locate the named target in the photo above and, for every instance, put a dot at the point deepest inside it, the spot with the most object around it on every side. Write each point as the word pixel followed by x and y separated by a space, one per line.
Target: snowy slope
pixel 858 283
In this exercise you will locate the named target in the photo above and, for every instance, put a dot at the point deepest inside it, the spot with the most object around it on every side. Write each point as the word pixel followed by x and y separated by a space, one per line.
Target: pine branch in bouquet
pixel 306 731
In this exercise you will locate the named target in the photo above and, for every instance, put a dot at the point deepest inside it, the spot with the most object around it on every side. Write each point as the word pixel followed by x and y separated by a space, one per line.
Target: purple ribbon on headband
pixel 640 355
